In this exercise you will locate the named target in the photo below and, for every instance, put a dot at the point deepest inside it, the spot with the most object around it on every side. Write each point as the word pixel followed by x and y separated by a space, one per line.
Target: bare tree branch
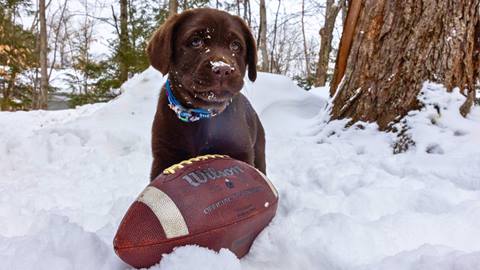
pixel 115 19
pixel 57 34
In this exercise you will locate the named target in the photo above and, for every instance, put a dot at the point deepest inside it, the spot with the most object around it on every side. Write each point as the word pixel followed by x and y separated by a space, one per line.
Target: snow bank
pixel 55 243
pixel 346 202
pixel 283 107
pixel 194 257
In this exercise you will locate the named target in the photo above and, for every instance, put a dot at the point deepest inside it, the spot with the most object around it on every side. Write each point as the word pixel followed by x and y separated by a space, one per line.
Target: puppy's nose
pixel 222 71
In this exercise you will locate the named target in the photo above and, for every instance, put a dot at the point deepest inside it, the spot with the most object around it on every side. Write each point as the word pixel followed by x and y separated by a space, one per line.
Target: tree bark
pixel 326 37
pixel 246 11
pixel 400 44
pixel 56 31
pixel 43 99
pixel 7 91
pixel 346 41
pixel 263 36
pixel 305 47
pixel 124 42
pixel 249 13
pixel 36 91
pixel 345 11
pixel 172 7
pixel 275 24
pixel 238 8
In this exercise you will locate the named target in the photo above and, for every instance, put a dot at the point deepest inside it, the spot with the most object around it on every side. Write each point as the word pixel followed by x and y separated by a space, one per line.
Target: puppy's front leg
pixel 164 158
pixel 158 165
pixel 259 150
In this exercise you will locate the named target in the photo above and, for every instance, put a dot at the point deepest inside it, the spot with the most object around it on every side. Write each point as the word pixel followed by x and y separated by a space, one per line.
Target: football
pixel 212 201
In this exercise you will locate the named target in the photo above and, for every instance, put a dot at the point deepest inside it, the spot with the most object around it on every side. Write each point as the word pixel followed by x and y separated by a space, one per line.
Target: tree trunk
pixel 345 10
pixel 36 91
pixel 263 35
pixel 346 41
pixel 305 47
pixel 123 48
pixel 397 46
pixel 56 31
pixel 326 37
pixel 7 91
pixel 84 55
pixel 275 24
pixel 172 7
pixel 238 8
pixel 249 21
pixel 245 11
pixel 43 100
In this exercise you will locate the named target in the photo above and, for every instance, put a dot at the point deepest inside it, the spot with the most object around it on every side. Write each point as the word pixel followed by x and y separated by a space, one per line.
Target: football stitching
pixel 174 168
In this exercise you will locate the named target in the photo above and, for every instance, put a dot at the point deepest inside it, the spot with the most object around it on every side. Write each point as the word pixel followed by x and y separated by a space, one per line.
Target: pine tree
pixel 17 56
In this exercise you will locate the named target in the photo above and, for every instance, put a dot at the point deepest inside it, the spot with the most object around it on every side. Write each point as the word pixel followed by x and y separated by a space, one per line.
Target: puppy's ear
pixel 251 51
pixel 159 48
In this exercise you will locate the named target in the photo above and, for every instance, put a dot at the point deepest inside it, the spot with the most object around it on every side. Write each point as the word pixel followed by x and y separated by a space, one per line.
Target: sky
pixel 103 32
pixel 313 19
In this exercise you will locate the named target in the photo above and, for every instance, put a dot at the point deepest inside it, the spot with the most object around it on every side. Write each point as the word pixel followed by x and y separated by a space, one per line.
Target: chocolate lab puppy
pixel 200 111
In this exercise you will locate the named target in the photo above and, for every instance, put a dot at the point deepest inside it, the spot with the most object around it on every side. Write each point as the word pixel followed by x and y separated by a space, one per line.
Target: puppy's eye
pixel 196 42
pixel 235 46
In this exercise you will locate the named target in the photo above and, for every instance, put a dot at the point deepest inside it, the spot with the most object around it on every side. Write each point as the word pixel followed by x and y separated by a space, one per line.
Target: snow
pixel 346 202
pixel 219 64
pixel 195 257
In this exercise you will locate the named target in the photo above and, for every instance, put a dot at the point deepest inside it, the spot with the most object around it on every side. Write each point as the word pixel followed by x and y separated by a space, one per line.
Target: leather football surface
pixel 212 201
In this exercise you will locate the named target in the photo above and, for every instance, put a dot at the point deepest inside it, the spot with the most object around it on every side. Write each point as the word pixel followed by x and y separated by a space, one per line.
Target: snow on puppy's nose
pixel 221 69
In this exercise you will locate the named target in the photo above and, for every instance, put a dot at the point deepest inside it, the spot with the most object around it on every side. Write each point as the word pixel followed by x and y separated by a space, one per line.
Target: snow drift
pixel 346 202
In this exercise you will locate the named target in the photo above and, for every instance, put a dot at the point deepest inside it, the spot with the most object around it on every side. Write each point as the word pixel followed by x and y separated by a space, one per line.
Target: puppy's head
pixel 206 53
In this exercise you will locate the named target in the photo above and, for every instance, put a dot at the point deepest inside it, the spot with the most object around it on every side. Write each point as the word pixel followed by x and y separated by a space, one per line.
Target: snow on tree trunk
pixel 397 45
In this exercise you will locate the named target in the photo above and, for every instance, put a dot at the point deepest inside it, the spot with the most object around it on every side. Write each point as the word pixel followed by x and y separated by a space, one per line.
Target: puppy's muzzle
pixel 221 69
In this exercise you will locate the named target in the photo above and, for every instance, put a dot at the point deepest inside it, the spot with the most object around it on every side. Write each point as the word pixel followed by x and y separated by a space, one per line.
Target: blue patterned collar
pixel 185 114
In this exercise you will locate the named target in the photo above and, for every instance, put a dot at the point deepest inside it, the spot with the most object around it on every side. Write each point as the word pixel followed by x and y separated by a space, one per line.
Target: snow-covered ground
pixel 346 202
